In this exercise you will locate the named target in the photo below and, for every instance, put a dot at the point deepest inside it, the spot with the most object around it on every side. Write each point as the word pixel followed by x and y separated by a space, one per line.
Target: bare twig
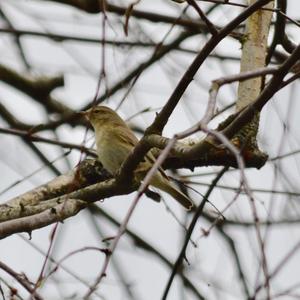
pixel 190 230
pixel 37 138
pixel 212 29
pixel 21 279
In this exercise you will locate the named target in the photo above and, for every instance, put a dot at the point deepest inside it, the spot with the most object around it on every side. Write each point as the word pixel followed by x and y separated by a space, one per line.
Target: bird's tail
pixel 166 186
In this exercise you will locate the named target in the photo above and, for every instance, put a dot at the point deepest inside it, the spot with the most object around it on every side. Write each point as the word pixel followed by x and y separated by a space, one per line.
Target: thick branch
pixel 57 213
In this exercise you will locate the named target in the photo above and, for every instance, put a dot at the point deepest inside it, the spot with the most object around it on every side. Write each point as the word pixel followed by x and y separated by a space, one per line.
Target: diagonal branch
pixel 162 118
pixel 188 235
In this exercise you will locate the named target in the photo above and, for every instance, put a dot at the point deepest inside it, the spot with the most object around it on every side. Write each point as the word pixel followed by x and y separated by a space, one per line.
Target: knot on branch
pixel 91 171
pixel 244 140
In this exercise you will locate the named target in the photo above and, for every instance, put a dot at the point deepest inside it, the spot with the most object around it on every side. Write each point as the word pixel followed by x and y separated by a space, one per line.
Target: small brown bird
pixel 115 141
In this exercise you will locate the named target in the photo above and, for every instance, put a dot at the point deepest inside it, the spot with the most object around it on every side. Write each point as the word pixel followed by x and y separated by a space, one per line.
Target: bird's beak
pixel 83 113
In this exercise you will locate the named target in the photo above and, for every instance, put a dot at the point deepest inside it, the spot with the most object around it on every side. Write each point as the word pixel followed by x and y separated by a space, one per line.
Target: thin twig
pixel 36 138
pixel 190 230
pixel 22 280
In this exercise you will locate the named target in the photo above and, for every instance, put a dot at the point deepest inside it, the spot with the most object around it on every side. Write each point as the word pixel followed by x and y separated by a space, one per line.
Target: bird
pixel 115 141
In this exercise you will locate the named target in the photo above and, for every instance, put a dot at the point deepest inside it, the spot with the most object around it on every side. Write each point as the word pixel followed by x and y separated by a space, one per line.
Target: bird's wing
pixel 146 164
pixel 127 136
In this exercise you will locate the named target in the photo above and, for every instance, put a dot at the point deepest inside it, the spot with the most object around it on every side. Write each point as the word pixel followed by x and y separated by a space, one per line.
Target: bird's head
pixel 101 115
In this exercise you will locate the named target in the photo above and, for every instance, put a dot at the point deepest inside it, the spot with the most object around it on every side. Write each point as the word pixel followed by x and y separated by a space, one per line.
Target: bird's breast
pixel 111 150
